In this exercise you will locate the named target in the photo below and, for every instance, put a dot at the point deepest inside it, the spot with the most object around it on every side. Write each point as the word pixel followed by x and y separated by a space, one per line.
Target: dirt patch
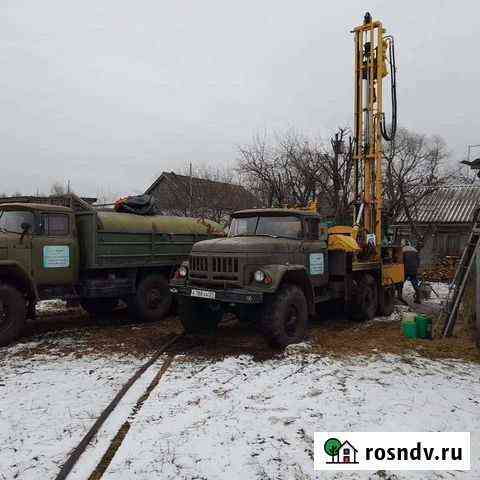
pixel 80 335
pixel 386 337
pixel 77 334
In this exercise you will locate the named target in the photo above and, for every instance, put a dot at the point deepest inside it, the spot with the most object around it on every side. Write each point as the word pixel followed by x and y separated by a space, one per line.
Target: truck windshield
pixel 11 221
pixel 277 226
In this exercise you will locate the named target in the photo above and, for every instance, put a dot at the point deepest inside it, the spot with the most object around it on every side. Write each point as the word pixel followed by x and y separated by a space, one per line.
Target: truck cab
pixel 274 257
pixel 41 240
pixel 38 259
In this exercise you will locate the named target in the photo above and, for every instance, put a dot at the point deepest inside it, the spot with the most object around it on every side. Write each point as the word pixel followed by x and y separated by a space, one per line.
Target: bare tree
pixel 414 168
pixel 295 169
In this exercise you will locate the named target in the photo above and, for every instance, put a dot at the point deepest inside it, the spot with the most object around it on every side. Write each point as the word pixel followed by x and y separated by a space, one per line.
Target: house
pixel 444 219
pixel 197 197
pixel 347 453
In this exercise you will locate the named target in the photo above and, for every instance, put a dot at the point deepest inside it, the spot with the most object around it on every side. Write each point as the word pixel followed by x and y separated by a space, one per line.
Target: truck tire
pixel 386 301
pixel 152 300
pixel 199 316
pixel 364 304
pixel 13 313
pixel 99 306
pixel 284 318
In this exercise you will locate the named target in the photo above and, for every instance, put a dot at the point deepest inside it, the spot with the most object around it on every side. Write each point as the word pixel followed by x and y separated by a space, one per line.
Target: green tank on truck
pixel 67 249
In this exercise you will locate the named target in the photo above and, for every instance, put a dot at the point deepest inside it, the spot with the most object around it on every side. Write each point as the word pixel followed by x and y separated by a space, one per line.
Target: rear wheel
pixel 12 314
pixel 364 303
pixel 198 316
pixel 152 300
pixel 285 317
pixel 99 306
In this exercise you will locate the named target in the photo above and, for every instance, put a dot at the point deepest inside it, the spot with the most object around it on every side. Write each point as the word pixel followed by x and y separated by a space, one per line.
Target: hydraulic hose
pixel 389 136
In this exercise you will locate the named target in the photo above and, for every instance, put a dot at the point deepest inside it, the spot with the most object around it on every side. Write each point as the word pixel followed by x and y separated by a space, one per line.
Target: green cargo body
pixel 119 240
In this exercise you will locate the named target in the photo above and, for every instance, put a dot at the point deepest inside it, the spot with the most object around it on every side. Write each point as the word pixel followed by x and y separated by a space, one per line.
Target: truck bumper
pixel 226 296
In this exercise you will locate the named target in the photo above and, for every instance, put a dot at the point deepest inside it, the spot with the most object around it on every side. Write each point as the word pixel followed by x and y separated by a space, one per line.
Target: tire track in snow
pixel 92 432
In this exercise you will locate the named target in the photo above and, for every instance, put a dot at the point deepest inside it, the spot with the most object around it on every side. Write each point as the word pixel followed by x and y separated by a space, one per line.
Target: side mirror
pixel 25 226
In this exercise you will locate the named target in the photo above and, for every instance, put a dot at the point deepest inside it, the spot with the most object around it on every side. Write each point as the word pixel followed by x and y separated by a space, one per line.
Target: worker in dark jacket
pixel 411 261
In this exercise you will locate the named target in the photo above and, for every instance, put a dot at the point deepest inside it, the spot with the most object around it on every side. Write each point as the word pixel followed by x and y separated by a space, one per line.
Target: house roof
pixel 346 443
pixel 199 183
pixel 452 204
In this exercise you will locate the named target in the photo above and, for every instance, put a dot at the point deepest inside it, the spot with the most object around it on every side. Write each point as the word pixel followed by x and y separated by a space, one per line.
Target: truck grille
pixel 215 270
pixel 225 264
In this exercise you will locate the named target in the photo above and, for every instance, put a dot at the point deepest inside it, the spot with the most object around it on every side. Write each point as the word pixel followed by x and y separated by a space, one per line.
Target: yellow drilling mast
pixel 373 49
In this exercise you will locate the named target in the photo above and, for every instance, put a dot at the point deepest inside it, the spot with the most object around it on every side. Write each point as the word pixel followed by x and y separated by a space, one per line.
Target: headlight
pixel 182 271
pixel 259 276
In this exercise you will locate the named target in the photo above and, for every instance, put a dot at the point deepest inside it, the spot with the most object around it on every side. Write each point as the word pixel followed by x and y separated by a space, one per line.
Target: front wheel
pixel 152 300
pixel 13 312
pixel 199 316
pixel 285 317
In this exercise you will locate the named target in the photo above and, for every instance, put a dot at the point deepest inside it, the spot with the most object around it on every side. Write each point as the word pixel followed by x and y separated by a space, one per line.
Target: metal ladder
pixel 464 267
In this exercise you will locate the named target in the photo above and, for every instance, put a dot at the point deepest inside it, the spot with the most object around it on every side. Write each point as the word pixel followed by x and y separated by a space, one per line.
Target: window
pixel 453 244
pixel 56 224
pixel 243 226
pixel 275 226
pixel 313 225
pixel 11 221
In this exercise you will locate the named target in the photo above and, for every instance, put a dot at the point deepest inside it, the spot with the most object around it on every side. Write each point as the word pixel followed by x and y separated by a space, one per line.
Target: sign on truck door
pixel 315 251
pixel 54 250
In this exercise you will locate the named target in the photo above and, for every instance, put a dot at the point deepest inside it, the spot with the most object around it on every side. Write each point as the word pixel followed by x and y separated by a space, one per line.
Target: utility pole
pixel 190 192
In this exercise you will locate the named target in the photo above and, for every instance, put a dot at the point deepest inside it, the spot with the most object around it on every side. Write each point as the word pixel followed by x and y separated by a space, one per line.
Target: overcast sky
pixel 109 93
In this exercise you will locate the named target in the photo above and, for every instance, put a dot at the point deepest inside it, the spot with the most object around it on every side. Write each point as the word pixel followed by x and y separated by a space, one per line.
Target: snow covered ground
pixel 47 404
pixel 240 419
pixel 235 418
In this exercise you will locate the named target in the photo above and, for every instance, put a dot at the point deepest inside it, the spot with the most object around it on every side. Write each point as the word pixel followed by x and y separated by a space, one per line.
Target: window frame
pixel 46 224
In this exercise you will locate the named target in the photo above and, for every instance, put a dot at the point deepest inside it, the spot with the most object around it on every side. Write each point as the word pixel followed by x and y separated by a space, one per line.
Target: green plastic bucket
pixel 409 329
pixel 424 326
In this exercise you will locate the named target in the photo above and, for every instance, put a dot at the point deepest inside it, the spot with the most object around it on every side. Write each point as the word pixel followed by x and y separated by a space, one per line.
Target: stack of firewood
pixel 442 270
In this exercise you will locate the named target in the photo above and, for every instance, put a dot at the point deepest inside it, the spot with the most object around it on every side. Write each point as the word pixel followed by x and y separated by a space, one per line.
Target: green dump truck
pixel 67 249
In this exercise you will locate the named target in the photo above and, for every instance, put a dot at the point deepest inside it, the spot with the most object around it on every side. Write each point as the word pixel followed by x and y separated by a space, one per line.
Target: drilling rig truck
pixel 278 264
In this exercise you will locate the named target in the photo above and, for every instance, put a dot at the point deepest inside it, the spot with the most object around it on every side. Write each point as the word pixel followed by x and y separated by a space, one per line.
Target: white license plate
pixel 202 294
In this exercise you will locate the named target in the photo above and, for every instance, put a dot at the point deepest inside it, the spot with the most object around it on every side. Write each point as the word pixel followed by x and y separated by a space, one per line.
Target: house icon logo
pixel 342 453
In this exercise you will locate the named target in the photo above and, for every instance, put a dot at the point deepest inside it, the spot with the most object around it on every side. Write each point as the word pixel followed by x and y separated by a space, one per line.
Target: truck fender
pixel 13 273
pixel 295 274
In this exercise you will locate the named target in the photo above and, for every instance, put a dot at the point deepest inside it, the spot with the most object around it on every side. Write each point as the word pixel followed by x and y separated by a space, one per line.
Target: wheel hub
pixel 155 298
